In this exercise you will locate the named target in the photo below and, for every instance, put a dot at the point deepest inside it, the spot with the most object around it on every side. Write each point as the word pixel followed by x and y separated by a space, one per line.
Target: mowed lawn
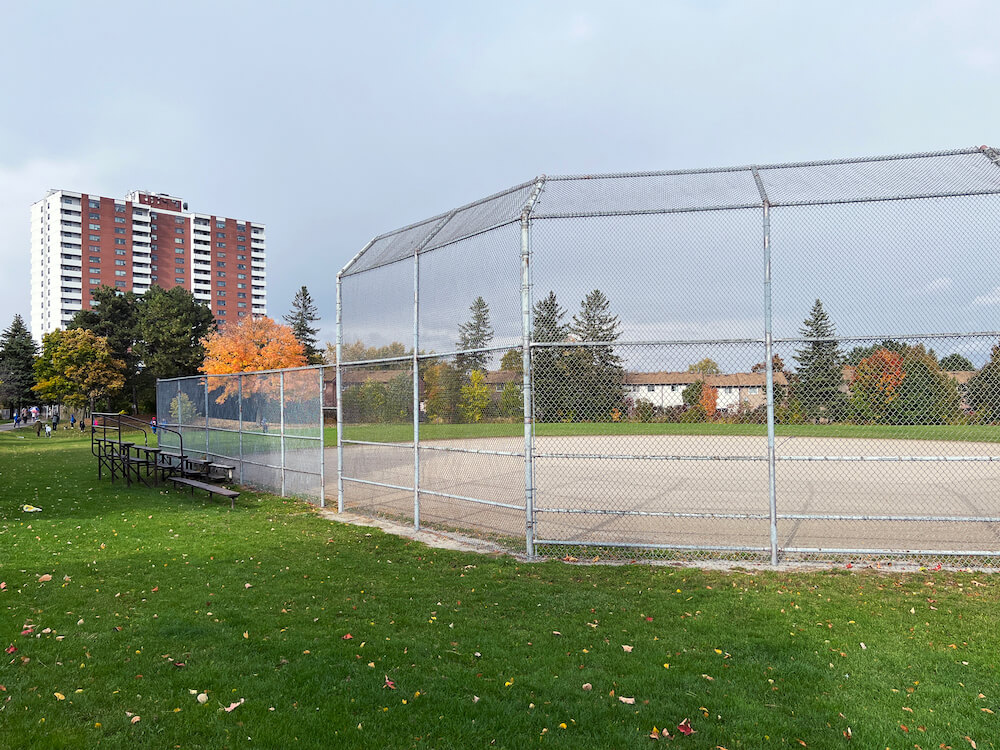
pixel 121 605
pixel 403 433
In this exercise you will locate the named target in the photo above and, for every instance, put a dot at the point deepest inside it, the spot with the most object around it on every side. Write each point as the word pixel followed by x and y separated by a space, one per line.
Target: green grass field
pixel 402 433
pixel 122 605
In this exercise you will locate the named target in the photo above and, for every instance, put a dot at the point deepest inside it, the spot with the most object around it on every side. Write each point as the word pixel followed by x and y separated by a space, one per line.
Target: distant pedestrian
pixel 72 421
pixel 55 421
pixel 83 425
pixel 152 425
pixel 48 430
pixel 263 425
pixel 38 428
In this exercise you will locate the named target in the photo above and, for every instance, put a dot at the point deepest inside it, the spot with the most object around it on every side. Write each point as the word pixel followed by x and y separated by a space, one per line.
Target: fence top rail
pixel 804 183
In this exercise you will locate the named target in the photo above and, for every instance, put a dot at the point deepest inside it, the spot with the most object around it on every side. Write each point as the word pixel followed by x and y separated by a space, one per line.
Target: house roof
pixel 502 377
pixel 736 379
pixel 959 376
pixel 354 376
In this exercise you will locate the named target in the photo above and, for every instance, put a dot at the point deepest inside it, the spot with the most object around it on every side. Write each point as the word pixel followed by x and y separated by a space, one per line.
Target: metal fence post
pixel 769 370
pixel 206 418
pixel 337 396
pixel 528 406
pixel 240 411
pixel 281 406
pixel 322 447
pixel 416 392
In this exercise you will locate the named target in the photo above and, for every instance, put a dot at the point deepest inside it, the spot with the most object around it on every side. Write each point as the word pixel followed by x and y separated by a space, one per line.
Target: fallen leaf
pixel 587 686
pixel 11 648
pixel 389 683
pixel 246 633
pixel 234 705
pixel 685 728
pixel 3 585
pixel 202 698
pixel 708 677
pixel 556 632
pixel 346 637
pixel 247 585
pixel 863 646
pixel 136 719
pixel 44 578
pixel 967 738
pixel 59 696
pixel 627 649
pixel 628 701
pixel 475 699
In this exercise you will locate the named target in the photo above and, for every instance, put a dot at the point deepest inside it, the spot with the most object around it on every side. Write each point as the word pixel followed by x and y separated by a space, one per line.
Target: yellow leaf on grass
pixel 59 696
pixel 246 633
pixel 44 578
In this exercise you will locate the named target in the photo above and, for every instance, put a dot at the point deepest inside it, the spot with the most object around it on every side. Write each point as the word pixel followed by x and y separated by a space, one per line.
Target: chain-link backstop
pixel 768 362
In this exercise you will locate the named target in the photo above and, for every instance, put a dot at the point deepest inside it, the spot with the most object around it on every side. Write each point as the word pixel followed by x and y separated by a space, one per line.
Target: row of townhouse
pixel 663 389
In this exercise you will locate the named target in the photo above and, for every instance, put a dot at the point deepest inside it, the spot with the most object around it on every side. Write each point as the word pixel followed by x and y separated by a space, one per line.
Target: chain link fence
pixel 268 425
pixel 777 362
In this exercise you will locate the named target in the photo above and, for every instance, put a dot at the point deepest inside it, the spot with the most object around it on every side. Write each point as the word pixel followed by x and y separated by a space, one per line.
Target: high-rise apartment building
pixel 81 241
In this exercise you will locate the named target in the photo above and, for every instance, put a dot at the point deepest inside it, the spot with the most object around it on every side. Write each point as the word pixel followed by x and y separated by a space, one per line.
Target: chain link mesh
pixel 644 300
pixel 267 426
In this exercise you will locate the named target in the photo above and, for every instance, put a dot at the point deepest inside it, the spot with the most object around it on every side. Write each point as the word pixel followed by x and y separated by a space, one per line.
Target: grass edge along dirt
pixel 154 594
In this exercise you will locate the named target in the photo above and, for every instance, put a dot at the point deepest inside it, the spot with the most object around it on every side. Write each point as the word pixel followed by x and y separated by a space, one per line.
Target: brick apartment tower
pixel 81 241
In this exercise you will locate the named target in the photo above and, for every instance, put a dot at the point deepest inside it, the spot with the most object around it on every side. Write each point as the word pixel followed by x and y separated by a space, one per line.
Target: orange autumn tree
pixel 876 383
pixel 251 344
pixel 709 400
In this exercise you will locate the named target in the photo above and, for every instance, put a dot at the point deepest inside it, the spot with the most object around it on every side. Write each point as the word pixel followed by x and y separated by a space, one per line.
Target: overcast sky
pixel 333 122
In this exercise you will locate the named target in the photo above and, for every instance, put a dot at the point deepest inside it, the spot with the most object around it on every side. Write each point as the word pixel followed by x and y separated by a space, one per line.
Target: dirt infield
pixel 599 490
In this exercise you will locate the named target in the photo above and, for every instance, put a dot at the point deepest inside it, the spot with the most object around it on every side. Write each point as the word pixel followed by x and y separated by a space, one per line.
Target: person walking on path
pixel 72 421
pixel 38 428
pixel 55 421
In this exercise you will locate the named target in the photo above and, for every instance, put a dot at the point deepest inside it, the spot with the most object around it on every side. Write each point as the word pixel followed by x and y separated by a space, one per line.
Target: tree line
pixel 578 377
pixel 112 354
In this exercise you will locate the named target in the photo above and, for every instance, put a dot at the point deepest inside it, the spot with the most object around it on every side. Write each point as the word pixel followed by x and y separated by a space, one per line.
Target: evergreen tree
pixel 549 376
pixel 983 390
pixel 172 324
pixel 476 334
pixel 956 362
pixel 597 375
pixel 301 318
pixel 115 317
pixel 820 370
pixel 17 359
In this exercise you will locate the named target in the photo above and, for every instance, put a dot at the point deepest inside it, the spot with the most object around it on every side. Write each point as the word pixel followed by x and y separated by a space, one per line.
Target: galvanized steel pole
pixel 769 370
pixel 337 396
pixel 529 431
pixel 206 418
pixel 240 408
pixel 281 406
pixel 416 392
pixel 322 447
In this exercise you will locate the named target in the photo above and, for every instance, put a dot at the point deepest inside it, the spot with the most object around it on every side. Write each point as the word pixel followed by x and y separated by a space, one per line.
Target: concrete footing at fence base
pixel 432 538
pixel 460 543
